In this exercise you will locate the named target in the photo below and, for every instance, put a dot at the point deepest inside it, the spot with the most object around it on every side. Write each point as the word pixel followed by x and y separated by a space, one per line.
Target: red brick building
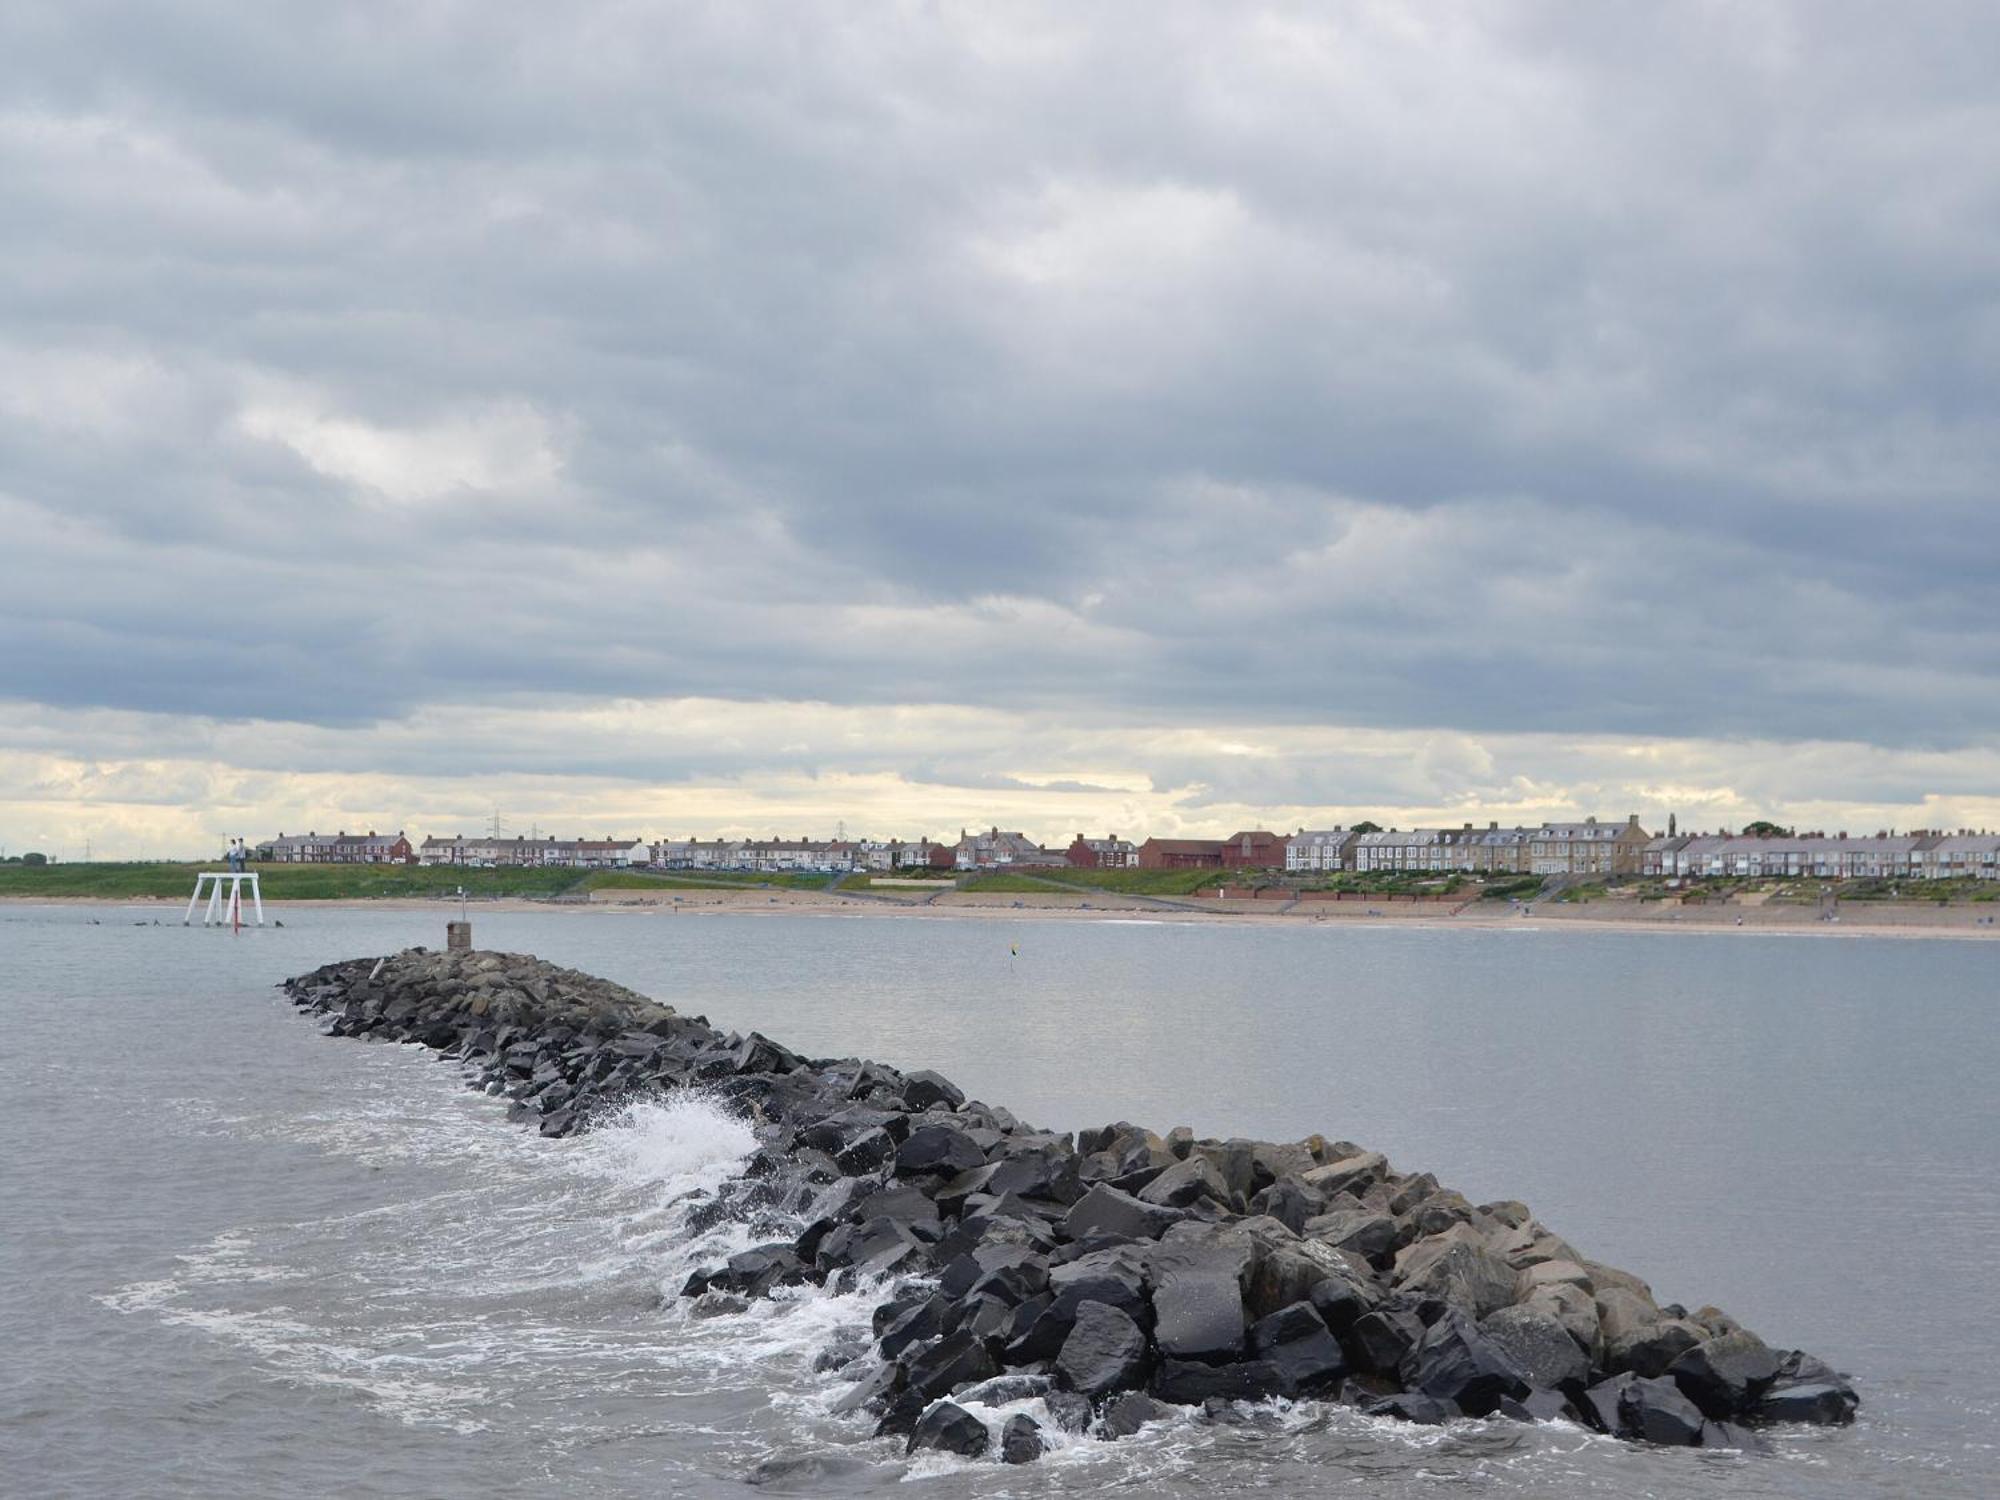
pixel 1181 854
pixel 1255 850
pixel 1108 853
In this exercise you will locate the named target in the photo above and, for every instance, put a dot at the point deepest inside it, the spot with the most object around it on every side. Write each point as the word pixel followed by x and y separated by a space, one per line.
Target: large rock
pixel 1455 1361
pixel 1348 1174
pixel 1456 1267
pixel 1290 1202
pixel 1188 1383
pixel 1726 1375
pixel 957 1359
pixel 1020 1440
pixel 937 1150
pixel 923 1088
pixel 1539 1344
pixel 1186 1183
pixel 1106 1213
pixel 1574 1308
pixel 1126 1413
pixel 1105 1352
pixel 1198 1315
pixel 1297 1341
pixel 1379 1342
pixel 1372 1236
pixel 1651 1351
pixel 950 1428
pixel 1655 1411
pixel 1824 1405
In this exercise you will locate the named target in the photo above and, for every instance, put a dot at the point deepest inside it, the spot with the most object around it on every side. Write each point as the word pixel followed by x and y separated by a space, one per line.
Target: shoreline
pixel 1905 920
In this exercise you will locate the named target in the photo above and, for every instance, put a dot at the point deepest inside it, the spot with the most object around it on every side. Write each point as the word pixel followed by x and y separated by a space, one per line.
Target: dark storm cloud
pixel 1604 369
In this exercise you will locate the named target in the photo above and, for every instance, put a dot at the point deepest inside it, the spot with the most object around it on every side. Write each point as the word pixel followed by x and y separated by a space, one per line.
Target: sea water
pixel 238 1258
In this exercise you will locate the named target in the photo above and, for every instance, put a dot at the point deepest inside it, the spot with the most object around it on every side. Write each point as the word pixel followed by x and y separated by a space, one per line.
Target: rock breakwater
pixel 1098 1276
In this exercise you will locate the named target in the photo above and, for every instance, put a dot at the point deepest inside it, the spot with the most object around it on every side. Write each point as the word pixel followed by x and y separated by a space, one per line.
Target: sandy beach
pixel 1872 919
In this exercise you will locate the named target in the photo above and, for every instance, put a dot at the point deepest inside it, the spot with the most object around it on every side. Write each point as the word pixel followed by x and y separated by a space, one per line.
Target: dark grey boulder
pixel 987 1319
pixel 1725 1375
pixel 1539 1344
pixel 1199 1315
pixel 754 1272
pixel 1600 1404
pixel 862 1244
pixel 1372 1236
pixel 1020 1440
pixel 1105 1352
pixel 1378 1342
pixel 1654 1411
pixel 937 1150
pixel 1043 1337
pixel 1186 1183
pixel 950 1428
pixel 1187 1383
pixel 1649 1350
pixel 1290 1202
pixel 937 1368
pixel 901 1202
pixel 1107 1212
pixel 967 1271
pixel 865 1152
pixel 1823 1405
pixel 1413 1406
pixel 1349 1174
pixel 1341 1301
pixel 1127 1412
pixel 1296 1340
pixel 1456 1362
pixel 923 1088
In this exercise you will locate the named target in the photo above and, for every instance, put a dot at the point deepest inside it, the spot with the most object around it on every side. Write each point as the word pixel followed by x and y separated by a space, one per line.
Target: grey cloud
pixel 1611 369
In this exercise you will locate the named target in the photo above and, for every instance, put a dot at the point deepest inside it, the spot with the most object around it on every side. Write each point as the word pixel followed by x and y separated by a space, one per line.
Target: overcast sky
pixel 1156 418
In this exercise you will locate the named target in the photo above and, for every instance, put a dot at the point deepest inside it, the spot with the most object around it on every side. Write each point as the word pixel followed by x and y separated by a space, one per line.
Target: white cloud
pixel 507 446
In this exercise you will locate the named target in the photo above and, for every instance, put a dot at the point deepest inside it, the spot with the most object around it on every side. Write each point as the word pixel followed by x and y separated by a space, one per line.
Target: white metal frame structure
pixel 227 910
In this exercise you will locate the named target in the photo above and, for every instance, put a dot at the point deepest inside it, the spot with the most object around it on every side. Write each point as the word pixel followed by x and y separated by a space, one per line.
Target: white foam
pixel 678 1143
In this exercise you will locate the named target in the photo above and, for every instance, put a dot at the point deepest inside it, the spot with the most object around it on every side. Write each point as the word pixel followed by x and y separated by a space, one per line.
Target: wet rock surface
pixel 1101 1273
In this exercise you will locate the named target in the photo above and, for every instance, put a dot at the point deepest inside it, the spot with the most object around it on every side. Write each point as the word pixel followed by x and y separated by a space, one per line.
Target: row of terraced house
pixel 1587 848
pixel 1922 855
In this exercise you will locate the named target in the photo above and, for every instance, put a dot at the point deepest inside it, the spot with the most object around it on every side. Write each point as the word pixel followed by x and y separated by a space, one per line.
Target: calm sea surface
pixel 241 1259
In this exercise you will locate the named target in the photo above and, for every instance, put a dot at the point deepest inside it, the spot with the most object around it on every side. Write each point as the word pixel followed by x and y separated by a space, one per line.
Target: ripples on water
pixel 400 1293
pixel 537 1296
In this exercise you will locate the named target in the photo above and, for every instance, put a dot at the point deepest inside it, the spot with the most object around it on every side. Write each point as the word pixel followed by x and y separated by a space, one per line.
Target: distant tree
pixel 32 858
pixel 1763 830
pixel 1365 826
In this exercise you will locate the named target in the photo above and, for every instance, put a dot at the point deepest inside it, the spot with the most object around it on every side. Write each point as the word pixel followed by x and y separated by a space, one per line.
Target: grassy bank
pixel 282 882
pixel 131 882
